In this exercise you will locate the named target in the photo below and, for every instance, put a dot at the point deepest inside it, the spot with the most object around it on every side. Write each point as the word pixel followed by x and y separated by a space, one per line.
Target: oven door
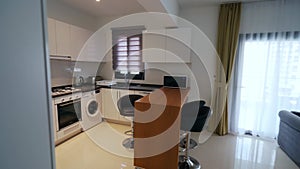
pixel 68 113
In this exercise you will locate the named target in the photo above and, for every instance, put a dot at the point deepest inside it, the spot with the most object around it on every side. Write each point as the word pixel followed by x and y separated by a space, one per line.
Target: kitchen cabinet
pixel 108 50
pixel 68 40
pixel 110 98
pixel 62 35
pixel 78 37
pixel 96 49
pixel 167 46
pixel 109 105
pixel 51 36
pixel 154 43
pixel 177 45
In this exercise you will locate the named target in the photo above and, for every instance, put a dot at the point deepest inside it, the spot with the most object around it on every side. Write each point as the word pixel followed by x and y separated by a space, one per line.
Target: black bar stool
pixel 194 117
pixel 126 108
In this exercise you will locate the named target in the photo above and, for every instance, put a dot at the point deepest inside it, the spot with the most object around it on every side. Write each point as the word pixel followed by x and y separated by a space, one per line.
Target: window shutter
pixel 127 50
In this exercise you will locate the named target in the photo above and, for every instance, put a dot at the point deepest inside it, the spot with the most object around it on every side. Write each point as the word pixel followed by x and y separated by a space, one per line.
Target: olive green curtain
pixel 228 32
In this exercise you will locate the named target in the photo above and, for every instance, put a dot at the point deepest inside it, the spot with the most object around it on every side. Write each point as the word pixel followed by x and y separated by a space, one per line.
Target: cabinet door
pixel 78 37
pixel 95 48
pixel 108 50
pixel 51 36
pixel 154 42
pixel 109 104
pixel 177 45
pixel 120 94
pixel 62 38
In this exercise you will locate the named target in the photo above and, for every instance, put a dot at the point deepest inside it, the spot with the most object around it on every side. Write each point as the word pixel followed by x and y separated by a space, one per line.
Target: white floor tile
pixel 101 148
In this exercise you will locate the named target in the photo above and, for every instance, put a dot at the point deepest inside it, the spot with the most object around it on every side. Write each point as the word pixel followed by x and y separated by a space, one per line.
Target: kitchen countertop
pixel 134 86
pixel 131 86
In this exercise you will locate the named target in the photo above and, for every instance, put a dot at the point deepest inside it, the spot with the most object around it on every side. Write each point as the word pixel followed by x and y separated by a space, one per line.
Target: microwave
pixel 175 81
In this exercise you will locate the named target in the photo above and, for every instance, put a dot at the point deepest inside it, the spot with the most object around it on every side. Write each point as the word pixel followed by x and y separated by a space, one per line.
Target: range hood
pixel 58 57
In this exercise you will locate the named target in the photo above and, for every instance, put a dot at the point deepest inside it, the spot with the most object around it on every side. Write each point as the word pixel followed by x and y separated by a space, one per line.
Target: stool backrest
pixel 194 115
pixel 126 104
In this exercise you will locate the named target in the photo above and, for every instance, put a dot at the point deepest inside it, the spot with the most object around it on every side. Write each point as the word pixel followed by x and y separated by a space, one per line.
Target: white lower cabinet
pixel 110 98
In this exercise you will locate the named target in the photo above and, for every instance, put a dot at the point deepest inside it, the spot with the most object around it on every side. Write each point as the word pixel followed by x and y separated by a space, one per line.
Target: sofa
pixel 289 134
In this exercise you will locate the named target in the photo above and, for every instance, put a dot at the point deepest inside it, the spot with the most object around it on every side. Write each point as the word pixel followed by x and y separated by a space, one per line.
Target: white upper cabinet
pixel 177 45
pixel 79 37
pixel 69 40
pixel 62 39
pixel 108 50
pixel 93 51
pixel 154 43
pixel 167 46
pixel 51 36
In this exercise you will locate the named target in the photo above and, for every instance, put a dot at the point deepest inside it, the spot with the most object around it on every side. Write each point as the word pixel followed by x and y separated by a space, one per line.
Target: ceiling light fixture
pixel 97 0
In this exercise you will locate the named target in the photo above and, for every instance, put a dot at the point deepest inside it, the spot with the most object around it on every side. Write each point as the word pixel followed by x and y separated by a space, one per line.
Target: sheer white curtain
pixel 267 67
pixel 267 81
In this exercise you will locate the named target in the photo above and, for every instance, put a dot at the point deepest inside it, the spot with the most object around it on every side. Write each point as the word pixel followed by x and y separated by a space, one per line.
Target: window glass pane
pixel 134 48
pixel 122 53
pixel 122 49
pixel 134 58
pixel 127 53
pixel 134 53
pixel 122 58
pixel 134 43
pixel 123 43
pixel 135 39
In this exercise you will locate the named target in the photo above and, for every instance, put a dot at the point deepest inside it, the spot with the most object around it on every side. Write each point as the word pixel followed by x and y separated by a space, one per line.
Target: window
pixel 127 53
pixel 268 76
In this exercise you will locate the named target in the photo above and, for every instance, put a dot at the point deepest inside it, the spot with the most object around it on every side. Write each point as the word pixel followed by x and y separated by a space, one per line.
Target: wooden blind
pixel 127 50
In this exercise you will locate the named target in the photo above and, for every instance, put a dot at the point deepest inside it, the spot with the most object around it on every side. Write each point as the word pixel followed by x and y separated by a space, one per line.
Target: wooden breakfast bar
pixel 157 128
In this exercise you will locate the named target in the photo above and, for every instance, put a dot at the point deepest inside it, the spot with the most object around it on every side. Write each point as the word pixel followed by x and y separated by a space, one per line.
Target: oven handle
pixel 68 103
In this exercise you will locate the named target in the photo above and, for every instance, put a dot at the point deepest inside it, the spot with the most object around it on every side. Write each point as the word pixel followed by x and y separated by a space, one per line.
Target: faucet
pixel 125 79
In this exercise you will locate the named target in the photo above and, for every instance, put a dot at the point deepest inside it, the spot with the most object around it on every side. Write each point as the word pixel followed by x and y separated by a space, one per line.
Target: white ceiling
pixel 106 7
pixel 184 3
pixel 109 8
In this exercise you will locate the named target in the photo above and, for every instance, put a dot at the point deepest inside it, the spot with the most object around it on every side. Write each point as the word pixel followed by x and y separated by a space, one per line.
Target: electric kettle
pixel 78 81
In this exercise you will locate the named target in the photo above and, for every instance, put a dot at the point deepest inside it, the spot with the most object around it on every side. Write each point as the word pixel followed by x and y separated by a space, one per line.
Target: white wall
pixel 57 9
pixel 205 18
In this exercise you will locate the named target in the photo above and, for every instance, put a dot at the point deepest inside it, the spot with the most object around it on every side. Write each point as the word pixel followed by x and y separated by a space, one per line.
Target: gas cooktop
pixel 63 90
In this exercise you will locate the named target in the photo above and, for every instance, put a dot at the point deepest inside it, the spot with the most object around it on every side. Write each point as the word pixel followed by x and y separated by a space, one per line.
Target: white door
pixel 26 137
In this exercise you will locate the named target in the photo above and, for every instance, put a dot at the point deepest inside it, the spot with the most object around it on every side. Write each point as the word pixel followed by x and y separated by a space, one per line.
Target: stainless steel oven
pixel 67 116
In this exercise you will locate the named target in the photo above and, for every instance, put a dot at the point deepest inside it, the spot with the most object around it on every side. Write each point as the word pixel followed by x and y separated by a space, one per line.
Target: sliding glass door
pixel 267 78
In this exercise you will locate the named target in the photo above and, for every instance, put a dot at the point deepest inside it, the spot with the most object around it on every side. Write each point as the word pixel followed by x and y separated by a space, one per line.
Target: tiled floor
pixel 100 148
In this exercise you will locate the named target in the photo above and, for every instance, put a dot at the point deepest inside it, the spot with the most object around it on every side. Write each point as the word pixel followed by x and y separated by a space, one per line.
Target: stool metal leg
pixel 193 144
pixel 128 143
pixel 185 161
